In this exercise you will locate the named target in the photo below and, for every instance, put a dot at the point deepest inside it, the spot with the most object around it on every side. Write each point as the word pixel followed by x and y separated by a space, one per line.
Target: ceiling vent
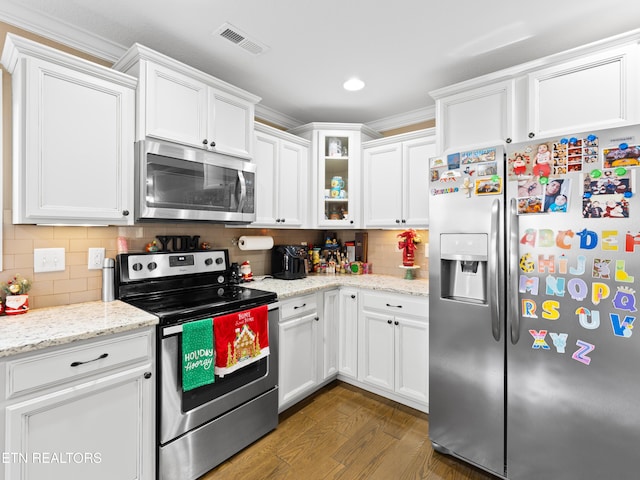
pixel 241 39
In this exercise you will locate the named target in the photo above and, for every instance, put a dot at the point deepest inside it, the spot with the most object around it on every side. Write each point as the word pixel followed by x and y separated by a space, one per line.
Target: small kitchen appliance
pixel 174 182
pixel 288 262
pixel 200 428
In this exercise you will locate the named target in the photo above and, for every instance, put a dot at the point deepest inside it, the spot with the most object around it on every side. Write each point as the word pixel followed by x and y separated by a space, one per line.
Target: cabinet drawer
pixel 299 305
pixel 39 371
pixel 396 304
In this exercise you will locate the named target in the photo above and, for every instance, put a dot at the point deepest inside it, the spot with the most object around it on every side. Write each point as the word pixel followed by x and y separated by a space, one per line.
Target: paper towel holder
pixel 260 242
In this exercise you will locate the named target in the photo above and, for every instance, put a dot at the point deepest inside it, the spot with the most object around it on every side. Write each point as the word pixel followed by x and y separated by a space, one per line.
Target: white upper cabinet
pixel 396 180
pixel 336 175
pixel 176 106
pixel 592 92
pixel 588 88
pixel 181 104
pixel 73 146
pixel 483 115
pixel 282 183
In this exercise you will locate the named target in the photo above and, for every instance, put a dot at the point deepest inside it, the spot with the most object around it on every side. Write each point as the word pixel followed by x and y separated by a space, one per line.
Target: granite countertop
pixel 46 327
pixel 314 283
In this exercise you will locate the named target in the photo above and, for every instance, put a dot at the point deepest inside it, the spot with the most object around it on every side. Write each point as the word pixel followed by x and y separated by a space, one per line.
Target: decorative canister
pixel 337 184
pixel 16 304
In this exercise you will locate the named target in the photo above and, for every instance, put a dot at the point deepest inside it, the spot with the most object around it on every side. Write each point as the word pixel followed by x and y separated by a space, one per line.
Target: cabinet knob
pixel 531 134
pixel 204 142
pixel 147 375
pixel 282 220
pixel 404 221
pixel 351 222
pixel 389 322
pixel 508 140
pixel 125 213
pixel 397 221
pixel 212 144
pixel 317 319
pixel 353 296
pixel 396 323
pixel 277 220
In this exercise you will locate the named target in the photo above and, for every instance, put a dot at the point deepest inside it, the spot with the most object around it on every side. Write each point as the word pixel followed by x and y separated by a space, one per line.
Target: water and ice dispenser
pixel 463 263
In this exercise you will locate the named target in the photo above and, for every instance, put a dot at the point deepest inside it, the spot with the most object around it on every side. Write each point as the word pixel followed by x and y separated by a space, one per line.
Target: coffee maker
pixel 288 262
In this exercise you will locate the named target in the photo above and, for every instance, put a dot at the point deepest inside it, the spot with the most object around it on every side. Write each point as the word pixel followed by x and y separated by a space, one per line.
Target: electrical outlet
pixel 96 258
pixel 48 260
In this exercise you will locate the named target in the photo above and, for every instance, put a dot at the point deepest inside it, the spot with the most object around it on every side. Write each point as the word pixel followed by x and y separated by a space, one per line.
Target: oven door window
pixel 185 184
pixel 222 385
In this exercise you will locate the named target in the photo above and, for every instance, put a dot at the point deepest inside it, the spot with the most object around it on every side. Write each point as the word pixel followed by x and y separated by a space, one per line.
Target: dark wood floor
pixel 345 433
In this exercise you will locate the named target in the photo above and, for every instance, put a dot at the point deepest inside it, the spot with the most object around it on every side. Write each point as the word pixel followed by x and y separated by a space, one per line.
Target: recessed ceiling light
pixel 353 84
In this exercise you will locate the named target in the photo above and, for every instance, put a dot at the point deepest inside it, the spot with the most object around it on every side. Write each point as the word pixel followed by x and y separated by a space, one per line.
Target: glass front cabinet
pixel 337 180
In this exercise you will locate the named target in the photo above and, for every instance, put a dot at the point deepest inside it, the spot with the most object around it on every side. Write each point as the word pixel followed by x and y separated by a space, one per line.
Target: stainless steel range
pixel 200 428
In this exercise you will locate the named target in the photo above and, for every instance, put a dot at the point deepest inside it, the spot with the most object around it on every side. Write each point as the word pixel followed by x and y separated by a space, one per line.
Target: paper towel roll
pixel 255 243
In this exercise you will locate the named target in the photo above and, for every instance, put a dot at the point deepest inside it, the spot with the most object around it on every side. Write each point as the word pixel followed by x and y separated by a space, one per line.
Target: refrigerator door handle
pixel 513 271
pixel 494 271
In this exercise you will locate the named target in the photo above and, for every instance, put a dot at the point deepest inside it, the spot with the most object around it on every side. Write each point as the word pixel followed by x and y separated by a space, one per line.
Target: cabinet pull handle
pixel 300 306
pixel 75 364
pixel 394 306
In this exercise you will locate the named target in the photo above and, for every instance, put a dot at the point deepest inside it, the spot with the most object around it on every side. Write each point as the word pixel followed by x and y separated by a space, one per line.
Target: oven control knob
pixel 152 266
pixel 208 261
pixel 221 279
pixel 137 267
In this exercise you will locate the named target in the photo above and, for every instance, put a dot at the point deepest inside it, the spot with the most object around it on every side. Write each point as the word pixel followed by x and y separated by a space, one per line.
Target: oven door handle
pixel 175 329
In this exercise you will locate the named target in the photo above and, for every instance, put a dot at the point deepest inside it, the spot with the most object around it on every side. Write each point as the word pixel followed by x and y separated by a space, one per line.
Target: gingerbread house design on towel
pixel 240 339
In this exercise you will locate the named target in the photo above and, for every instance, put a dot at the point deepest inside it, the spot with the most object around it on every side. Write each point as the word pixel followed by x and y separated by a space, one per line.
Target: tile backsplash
pixel 79 284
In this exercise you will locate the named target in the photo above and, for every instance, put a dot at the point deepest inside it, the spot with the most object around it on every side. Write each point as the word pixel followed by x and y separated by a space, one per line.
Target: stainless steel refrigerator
pixel 534 260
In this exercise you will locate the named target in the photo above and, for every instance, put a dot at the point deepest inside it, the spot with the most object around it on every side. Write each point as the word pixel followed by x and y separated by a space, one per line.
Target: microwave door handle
pixel 243 191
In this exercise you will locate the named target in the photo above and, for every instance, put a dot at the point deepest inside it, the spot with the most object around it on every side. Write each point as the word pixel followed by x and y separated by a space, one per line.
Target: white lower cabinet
pixel 299 334
pixel 393 348
pixel 348 333
pixel 86 411
pixel 330 331
pixel 377 341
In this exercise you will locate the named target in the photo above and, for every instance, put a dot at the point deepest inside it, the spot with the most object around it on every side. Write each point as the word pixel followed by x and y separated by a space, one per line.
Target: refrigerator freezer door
pixel 573 363
pixel 466 374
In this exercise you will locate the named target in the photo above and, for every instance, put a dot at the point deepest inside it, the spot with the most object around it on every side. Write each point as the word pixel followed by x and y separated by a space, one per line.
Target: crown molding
pixel 273 116
pixel 61 32
pixel 403 119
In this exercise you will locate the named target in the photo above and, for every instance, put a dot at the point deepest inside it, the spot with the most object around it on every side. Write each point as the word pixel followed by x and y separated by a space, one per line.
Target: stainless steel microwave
pixel 174 182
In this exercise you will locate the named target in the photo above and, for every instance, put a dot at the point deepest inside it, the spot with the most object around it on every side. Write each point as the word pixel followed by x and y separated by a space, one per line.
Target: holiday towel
pixel 197 354
pixel 241 338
